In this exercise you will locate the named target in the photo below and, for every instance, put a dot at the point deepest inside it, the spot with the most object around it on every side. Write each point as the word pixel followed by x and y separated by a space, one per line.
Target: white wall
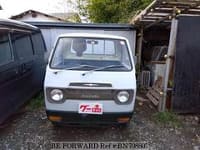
pixel 50 35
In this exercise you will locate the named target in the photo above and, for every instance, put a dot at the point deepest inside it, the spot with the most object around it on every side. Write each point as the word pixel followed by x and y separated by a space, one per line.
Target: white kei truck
pixel 90 79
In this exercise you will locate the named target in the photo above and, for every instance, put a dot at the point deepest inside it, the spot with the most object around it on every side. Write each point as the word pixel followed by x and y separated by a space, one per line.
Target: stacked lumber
pixel 154 93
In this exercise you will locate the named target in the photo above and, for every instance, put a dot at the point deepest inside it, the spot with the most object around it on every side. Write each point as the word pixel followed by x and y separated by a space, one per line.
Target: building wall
pixel 38 18
pixel 51 34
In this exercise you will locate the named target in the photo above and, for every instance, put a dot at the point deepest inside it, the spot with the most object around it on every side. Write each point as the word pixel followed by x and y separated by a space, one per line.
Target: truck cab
pixel 90 79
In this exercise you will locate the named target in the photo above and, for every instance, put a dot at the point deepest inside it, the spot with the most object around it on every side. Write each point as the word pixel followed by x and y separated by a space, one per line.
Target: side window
pixel 38 43
pixel 124 53
pixel 22 44
pixel 5 48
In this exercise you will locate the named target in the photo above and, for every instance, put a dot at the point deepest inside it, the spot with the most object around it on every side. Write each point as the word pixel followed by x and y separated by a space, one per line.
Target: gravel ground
pixel 31 130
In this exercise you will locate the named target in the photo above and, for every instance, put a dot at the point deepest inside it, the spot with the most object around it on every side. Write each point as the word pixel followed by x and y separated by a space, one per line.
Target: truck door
pixel 22 44
pixel 9 74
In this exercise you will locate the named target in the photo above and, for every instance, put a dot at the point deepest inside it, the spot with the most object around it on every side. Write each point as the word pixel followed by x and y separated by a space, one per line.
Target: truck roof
pixel 92 35
pixel 104 26
pixel 13 24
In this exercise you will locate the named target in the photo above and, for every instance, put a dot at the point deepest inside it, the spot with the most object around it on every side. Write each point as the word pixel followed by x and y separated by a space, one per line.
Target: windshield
pixel 90 54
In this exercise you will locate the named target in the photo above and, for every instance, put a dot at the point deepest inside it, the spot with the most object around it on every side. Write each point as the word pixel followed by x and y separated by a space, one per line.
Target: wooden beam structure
pixel 159 13
pixel 162 10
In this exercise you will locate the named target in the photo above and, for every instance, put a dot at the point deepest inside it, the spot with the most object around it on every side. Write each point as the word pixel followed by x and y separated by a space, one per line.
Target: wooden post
pixel 169 57
pixel 139 48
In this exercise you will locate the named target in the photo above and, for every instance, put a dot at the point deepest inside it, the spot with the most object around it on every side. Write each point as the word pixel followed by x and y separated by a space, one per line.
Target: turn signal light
pixel 123 120
pixel 55 118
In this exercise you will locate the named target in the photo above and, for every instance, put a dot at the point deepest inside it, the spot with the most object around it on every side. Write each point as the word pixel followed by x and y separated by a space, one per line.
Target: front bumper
pixel 74 118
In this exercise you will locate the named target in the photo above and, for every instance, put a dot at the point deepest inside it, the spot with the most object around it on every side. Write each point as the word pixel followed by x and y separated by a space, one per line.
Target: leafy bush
pixel 114 11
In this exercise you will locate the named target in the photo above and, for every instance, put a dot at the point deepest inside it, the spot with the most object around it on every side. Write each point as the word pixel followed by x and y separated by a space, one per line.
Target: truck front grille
pixel 89 94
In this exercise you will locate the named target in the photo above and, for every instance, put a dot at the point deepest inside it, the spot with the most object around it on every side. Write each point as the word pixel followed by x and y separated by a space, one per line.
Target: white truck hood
pixel 118 80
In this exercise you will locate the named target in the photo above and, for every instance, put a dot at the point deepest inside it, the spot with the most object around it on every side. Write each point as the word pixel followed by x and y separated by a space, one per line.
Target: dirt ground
pixel 32 130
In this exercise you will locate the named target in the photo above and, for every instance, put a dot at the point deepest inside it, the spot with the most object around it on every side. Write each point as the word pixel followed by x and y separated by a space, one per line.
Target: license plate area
pixel 90 108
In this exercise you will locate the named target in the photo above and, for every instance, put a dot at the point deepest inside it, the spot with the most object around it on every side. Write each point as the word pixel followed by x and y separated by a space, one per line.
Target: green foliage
pixel 171 83
pixel 74 18
pixel 81 6
pixel 167 118
pixel 36 102
pixel 114 11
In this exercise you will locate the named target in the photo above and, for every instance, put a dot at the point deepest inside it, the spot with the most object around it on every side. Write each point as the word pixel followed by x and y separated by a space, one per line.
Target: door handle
pixel 27 66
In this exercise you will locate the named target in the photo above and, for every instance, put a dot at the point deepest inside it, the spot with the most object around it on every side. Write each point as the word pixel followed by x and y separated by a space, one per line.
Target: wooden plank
pixel 168 11
pixel 152 17
pixel 169 60
pixel 152 99
pixel 157 89
pixel 145 11
pixel 155 94
pixel 139 48
pixel 157 22
pixel 157 62
pixel 141 99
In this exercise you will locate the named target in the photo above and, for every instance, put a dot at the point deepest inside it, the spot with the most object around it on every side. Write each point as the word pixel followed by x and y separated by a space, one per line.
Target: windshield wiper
pixel 79 67
pixel 103 68
pixel 75 67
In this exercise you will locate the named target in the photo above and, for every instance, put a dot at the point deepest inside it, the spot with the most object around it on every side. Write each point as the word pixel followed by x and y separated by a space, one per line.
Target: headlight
pixel 56 95
pixel 123 96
